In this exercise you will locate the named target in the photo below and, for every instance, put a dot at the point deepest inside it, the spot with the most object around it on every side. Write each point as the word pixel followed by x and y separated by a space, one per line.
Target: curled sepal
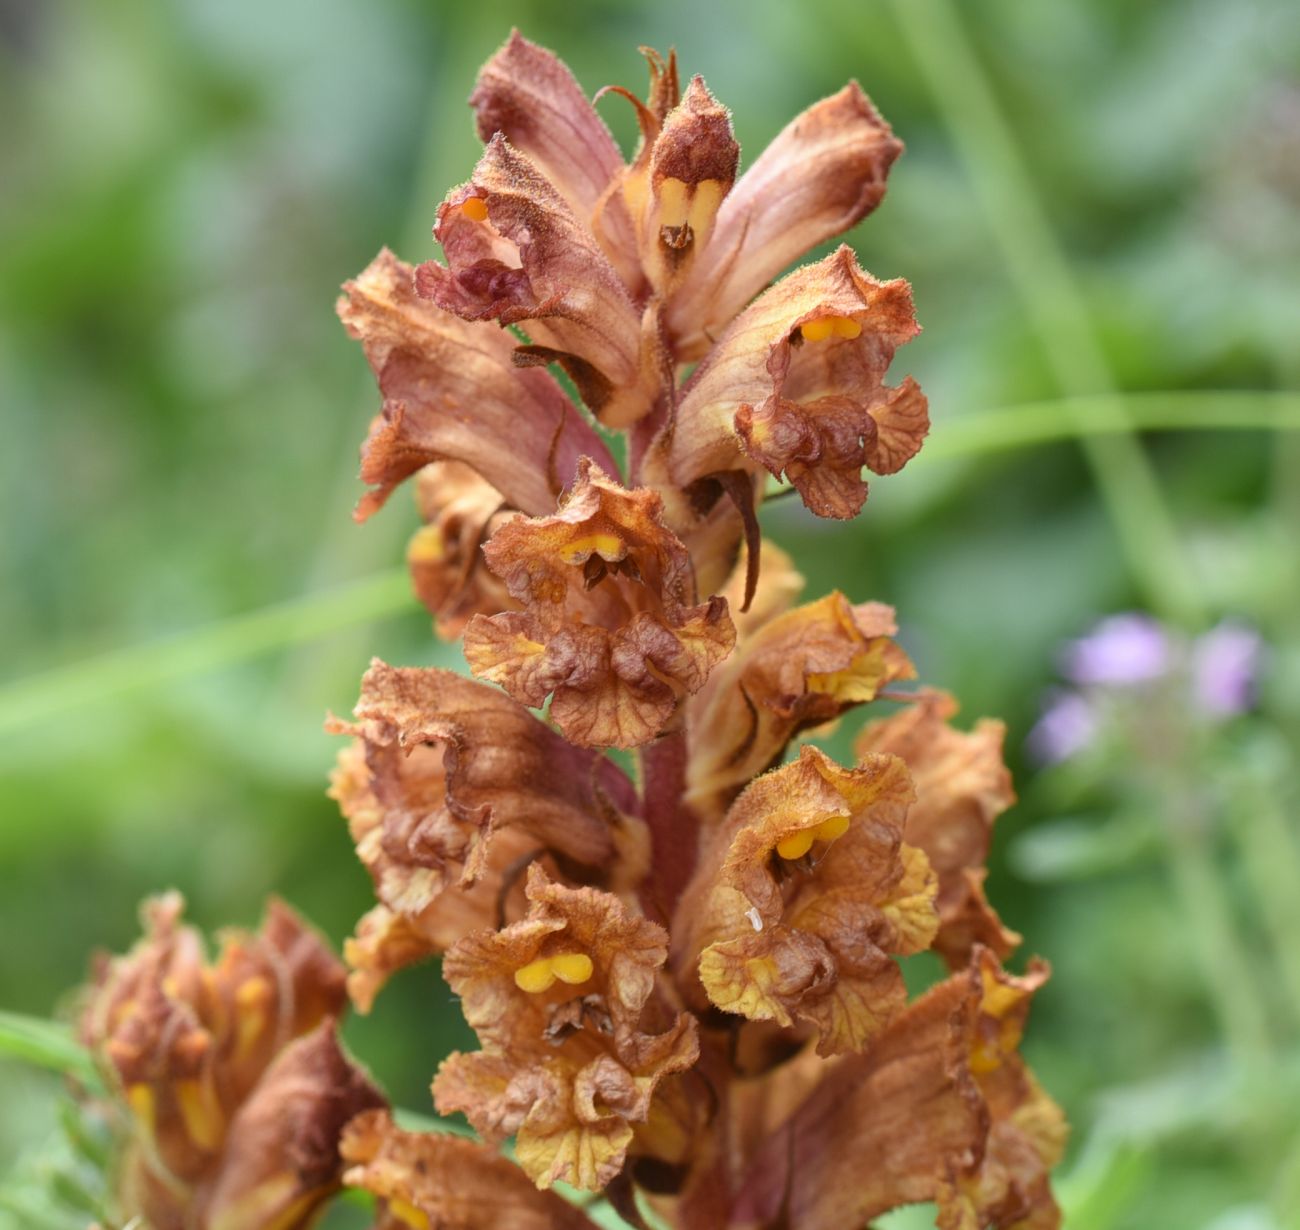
pixel 807 892
pixel 575 1038
pixel 517 253
pixel 610 628
pixel 799 376
pixel 281 1161
pixel 822 174
pixel 447 786
pixel 423 1180
pixel 962 786
pixel 799 670
pixel 452 392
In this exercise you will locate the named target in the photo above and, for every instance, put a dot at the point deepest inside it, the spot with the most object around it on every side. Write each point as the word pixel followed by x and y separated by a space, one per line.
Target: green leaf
pixel 48 1044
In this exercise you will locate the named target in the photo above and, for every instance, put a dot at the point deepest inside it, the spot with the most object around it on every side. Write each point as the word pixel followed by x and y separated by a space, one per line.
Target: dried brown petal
pixel 282 1158
pixel 806 892
pixel 460 512
pixel 800 670
pixel 609 627
pixel 449 784
pixel 516 252
pixel 452 391
pixel 824 173
pixel 562 1002
pixel 800 376
pixel 528 94
pixel 962 786
pixel 424 1181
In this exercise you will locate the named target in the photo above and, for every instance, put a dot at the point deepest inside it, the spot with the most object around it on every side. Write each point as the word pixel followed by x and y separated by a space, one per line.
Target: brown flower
pixel 448 785
pixel 800 376
pixel 962 786
pixel 230 1074
pixel 452 392
pixel 805 892
pixel 940 1108
pixel 460 512
pixel 610 628
pixel 575 1037
pixel 423 1181
pixel 799 670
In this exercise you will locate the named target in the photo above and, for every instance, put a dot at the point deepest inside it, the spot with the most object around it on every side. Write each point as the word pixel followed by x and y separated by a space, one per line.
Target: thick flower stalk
pixel 686 977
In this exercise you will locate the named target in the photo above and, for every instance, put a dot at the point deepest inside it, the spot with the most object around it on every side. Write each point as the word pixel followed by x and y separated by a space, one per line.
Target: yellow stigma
pixel 608 546
pixel 426 546
pixel 798 844
pixel 139 1097
pixel 540 975
pixel 201 1112
pixel 695 205
pixel 830 326
pixel 474 208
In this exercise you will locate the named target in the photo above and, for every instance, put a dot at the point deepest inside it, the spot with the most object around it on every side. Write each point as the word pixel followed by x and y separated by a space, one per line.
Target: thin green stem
pixel 308 618
pixel 1054 301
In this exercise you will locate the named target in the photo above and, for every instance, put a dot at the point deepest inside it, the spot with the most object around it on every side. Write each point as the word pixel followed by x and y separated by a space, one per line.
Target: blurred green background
pixel 1096 196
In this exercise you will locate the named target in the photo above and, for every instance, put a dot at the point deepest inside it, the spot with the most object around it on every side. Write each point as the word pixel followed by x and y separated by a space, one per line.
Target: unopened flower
pixel 1225 669
pixel 230 1075
pixel 1121 649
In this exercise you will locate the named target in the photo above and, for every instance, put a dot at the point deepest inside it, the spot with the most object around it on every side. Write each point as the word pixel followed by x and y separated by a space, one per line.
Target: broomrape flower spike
pixel 685 977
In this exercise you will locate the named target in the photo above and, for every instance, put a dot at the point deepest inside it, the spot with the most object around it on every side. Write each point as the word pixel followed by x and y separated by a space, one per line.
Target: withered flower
pixel 805 892
pixel 962 786
pixel 610 627
pixel 796 671
pixel 230 1078
pixel 447 785
pixel 685 979
pixel 565 1004
pixel 423 1181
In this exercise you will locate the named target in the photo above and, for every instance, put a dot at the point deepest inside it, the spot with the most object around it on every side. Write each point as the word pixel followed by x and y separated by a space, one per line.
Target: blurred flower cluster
pixel 683 964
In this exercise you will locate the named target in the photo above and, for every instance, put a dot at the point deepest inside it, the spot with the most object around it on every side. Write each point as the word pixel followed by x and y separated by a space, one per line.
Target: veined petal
pixel 452 391
pixel 610 626
pixel 800 670
pixel 800 377
pixel 962 786
pixel 460 512
pixel 825 172
pixel 423 1180
pixel 282 1161
pixel 517 253
pixel 803 895
pixel 528 94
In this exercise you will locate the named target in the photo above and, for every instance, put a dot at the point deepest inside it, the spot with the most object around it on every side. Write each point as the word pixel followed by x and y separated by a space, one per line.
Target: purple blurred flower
pixel 1225 669
pixel 1122 649
pixel 1066 727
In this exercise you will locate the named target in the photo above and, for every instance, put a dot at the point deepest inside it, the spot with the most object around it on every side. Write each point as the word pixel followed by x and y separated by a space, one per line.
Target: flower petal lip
pixel 452 391
pixel 803 668
pixel 521 255
pixel 453 1184
pixel 609 628
pixel 822 174
pixel 813 411
pixel 528 94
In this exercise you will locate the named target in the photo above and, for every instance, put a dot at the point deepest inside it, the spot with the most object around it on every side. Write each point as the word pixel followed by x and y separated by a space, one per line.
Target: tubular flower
pixel 687 978
pixel 562 1003
pixel 446 786
pixel 962 786
pixel 233 1090
pixel 609 627
pixel 802 669
pixel 806 891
